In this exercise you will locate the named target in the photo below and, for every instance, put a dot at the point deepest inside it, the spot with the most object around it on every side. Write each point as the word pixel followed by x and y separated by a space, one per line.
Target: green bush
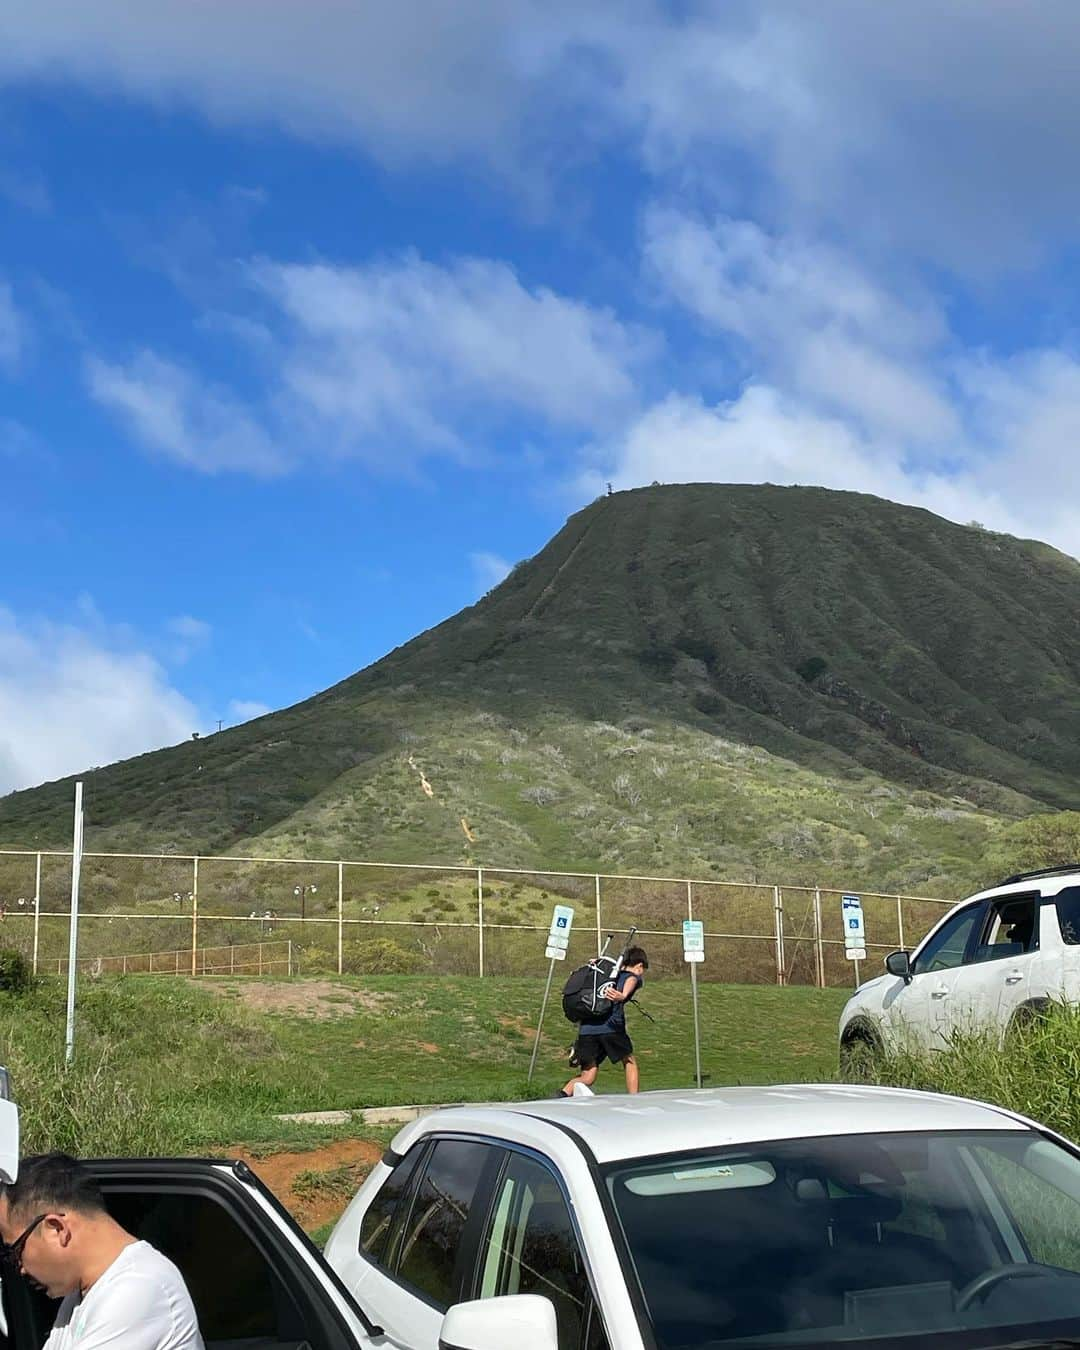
pixel 15 973
pixel 379 956
pixel 1037 1074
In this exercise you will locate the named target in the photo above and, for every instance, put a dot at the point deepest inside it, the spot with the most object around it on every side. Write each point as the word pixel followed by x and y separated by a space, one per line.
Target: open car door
pixel 256 1280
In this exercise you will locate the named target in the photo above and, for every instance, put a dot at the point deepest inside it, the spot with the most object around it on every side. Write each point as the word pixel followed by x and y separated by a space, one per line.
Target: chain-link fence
pixel 384 918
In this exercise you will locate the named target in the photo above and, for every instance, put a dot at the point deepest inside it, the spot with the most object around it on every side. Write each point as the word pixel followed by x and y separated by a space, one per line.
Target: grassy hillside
pixel 816 685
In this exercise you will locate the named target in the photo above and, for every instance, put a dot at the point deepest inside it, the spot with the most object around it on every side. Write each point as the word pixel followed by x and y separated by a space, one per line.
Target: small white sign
pixel 693 940
pixel 558 938
pixel 854 927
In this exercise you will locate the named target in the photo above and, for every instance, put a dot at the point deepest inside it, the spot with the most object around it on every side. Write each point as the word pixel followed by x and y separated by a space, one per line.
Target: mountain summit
pixel 683 675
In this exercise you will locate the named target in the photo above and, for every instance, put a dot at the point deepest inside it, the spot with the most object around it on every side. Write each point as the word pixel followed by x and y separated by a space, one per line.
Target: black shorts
pixel 590 1051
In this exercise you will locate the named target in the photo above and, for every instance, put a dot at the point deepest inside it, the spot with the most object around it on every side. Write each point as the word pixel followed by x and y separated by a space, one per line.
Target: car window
pixel 431 1238
pixel 1043 1201
pixel 531 1248
pixel 1067 904
pixel 378 1220
pixel 845 1240
pixel 1010 928
pixel 945 950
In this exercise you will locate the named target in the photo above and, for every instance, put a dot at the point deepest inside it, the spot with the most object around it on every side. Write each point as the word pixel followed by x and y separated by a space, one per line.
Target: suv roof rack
pixel 1043 872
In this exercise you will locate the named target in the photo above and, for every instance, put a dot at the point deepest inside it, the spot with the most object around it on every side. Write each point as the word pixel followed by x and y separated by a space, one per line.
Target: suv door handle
pixel 939 993
pixel 1014 977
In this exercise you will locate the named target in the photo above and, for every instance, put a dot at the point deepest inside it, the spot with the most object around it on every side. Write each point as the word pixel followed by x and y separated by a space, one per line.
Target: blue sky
pixel 313 319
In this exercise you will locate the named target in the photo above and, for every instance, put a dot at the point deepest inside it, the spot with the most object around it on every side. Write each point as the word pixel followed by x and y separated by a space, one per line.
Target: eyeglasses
pixel 11 1253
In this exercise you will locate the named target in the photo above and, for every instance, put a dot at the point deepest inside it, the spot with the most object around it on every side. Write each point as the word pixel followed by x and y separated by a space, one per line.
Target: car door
pixel 998 979
pixel 530 1245
pixel 255 1279
pixel 920 1013
pixel 418 1236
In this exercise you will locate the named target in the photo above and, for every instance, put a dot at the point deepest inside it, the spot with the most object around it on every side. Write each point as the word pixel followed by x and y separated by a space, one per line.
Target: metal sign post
pixel 558 940
pixel 73 928
pixel 854 931
pixel 693 950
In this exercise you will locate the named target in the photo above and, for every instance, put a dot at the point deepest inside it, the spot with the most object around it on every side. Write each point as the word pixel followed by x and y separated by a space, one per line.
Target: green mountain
pixel 788 682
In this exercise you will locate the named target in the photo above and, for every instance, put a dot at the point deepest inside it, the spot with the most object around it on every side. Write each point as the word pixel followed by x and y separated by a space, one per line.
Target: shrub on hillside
pixel 16 976
pixel 379 956
pixel 1037 1073
pixel 1039 841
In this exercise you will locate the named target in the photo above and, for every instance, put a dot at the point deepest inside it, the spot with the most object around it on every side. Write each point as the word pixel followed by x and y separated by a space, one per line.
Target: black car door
pixel 256 1280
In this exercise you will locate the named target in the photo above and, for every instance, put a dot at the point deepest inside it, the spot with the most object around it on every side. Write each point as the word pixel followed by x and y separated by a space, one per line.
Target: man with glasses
pixel 116 1291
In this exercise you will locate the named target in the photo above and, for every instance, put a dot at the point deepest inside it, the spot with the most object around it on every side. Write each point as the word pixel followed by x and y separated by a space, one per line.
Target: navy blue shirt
pixel 615 1022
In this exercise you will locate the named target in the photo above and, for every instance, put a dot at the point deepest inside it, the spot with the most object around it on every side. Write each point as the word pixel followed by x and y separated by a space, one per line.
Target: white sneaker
pixel 580 1090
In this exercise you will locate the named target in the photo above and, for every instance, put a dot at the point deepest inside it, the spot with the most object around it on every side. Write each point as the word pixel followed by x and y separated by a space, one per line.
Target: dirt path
pixel 329 1177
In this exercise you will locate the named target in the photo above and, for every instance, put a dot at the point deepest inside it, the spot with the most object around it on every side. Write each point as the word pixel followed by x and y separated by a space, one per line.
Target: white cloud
pixel 404 345
pixel 180 416
pixel 189 634
pixel 808 316
pixel 386 362
pixel 12 330
pixel 938 125
pixel 435 79
pixel 489 569
pixel 245 709
pixel 70 699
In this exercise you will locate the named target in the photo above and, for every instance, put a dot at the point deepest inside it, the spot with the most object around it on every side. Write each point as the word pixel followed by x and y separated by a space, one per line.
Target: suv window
pixel 431 1240
pixel 1011 928
pixel 379 1216
pixel 945 950
pixel 1067 904
pixel 531 1248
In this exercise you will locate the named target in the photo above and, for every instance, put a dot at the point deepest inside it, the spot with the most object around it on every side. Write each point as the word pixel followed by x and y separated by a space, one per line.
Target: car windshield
pixel 945 1240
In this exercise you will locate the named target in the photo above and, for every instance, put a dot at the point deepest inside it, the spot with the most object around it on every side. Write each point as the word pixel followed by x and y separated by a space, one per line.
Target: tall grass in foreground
pixel 158 1068
pixel 1036 1073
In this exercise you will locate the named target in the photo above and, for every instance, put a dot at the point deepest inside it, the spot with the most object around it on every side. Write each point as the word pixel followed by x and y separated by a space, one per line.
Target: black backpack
pixel 583 993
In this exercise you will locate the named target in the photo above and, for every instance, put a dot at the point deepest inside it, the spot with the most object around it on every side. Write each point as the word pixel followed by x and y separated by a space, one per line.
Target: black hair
pixel 53 1181
pixel 635 956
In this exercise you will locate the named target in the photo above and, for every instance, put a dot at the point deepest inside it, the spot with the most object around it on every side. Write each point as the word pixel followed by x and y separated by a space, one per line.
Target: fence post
pixel 480 914
pixel 900 921
pixel 290 958
pixel 340 916
pixel 194 911
pixel 37 910
pixel 778 920
pixel 818 940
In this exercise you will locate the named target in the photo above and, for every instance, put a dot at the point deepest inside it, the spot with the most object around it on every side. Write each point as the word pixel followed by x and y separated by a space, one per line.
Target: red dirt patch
pixel 280 1170
pixel 318 999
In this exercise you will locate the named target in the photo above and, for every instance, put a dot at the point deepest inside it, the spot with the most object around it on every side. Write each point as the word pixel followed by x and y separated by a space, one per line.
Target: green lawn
pixel 166 1065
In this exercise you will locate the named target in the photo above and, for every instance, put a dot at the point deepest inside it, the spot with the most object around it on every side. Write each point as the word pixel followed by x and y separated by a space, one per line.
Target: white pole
pixel 697 1024
pixel 37 910
pixel 480 914
pixel 340 917
pixel 73 927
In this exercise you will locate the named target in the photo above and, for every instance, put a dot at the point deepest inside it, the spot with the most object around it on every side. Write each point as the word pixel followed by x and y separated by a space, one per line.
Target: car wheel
pixel 860 1058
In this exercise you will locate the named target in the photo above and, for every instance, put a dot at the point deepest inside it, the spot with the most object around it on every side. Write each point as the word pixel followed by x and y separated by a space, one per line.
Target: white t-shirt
pixel 139 1303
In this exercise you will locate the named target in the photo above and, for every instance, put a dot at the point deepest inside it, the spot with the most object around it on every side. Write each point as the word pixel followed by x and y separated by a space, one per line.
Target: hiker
pixel 115 1290
pixel 598 1041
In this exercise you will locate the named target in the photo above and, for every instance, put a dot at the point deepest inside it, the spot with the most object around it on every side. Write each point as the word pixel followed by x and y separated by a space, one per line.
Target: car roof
pixel 617 1126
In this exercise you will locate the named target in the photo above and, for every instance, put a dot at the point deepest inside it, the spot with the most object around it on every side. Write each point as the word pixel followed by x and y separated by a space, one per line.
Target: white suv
pixel 993 960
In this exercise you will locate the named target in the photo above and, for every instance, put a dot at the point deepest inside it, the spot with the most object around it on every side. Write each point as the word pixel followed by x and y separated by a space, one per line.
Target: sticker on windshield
pixel 707 1177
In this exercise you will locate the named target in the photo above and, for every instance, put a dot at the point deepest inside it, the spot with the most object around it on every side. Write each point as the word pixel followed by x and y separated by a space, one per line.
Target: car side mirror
pixel 899 963
pixel 523 1321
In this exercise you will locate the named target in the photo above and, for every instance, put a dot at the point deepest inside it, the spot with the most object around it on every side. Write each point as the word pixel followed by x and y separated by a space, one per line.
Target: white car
pixel 784 1216
pixel 994 959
